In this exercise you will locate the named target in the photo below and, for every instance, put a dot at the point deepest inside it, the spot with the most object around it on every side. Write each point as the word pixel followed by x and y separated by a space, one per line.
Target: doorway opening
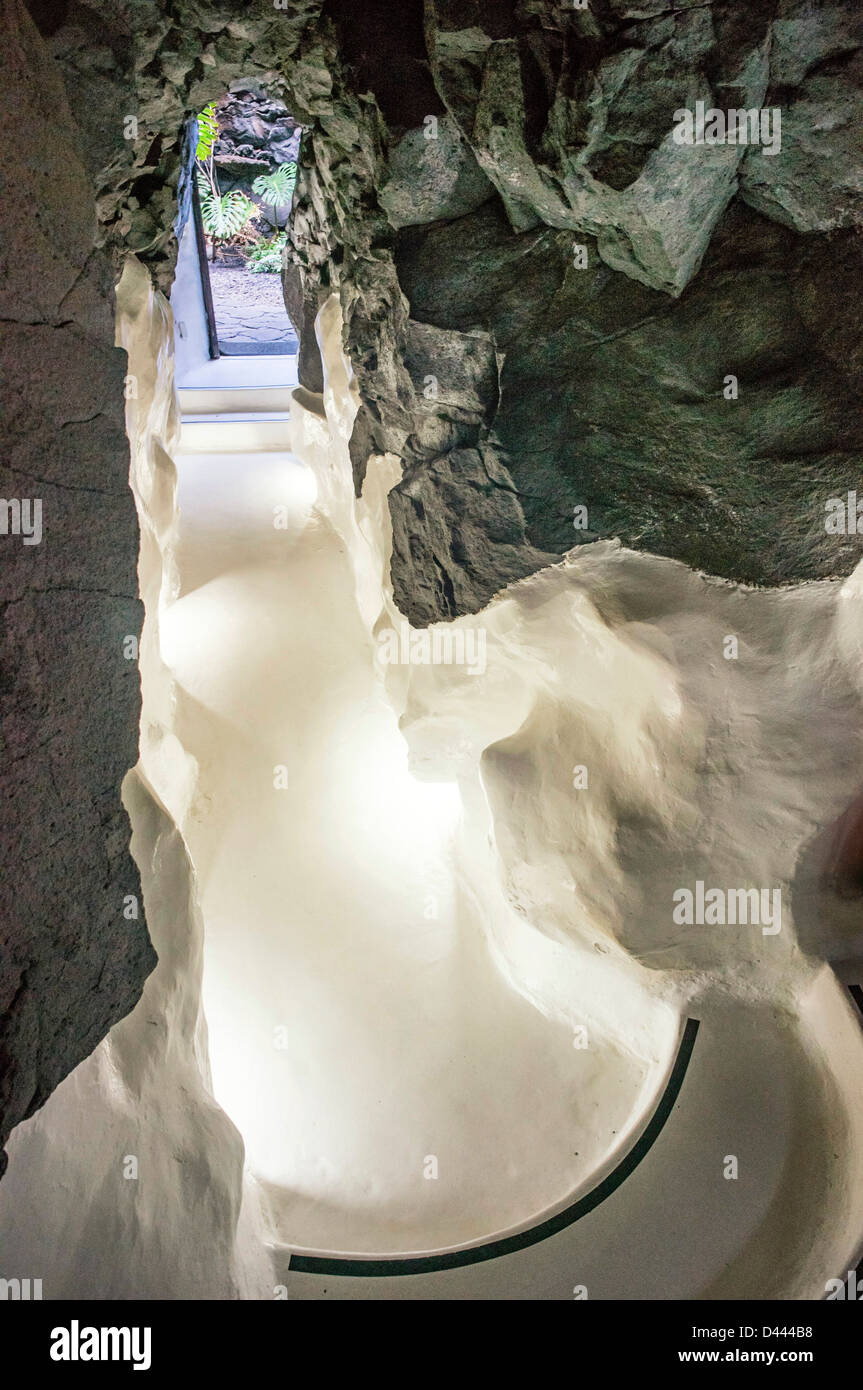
pixel 228 300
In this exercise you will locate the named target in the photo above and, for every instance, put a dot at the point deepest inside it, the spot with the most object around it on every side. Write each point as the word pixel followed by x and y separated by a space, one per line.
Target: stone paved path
pixel 249 308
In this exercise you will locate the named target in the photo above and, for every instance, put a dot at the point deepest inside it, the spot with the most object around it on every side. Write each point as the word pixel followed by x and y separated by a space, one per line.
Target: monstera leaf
pixel 223 214
pixel 277 188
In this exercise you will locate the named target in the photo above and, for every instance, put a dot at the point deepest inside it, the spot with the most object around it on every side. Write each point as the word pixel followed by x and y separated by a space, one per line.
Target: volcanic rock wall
pixel 74 949
pixel 674 326
pixel 659 334
pixel 254 132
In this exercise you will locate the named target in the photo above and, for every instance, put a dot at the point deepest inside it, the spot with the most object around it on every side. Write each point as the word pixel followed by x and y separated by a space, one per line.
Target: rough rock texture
pixel 700 265
pixel 613 398
pixel 554 148
pixel 433 175
pixel 612 389
pixel 71 962
pixel 449 516
pixel 255 133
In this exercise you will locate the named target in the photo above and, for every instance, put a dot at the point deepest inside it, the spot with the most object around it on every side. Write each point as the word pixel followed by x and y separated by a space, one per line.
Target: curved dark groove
pixel 856 992
pixel 507 1245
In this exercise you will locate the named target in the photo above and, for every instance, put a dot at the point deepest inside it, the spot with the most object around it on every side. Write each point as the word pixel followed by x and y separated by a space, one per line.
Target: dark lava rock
pixel 71 963
pixel 614 396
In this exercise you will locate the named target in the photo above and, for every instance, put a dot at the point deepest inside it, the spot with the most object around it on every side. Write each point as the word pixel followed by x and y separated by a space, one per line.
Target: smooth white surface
pixel 208 434
pixel 340 910
pixel 191 341
pixel 237 373
pixel 239 400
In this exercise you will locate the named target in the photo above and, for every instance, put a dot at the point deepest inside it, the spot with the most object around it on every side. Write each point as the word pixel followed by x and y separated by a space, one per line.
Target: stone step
pixel 234 400
pixel 235 435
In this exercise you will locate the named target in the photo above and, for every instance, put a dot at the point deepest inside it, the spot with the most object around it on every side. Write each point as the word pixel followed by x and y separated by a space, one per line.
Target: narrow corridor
pixel 390 1085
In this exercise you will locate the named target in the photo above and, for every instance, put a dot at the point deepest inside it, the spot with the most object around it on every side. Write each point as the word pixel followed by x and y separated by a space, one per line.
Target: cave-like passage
pixel 393 1091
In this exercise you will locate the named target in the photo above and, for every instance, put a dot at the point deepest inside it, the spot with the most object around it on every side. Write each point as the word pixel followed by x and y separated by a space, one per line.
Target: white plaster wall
pixel 191 344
